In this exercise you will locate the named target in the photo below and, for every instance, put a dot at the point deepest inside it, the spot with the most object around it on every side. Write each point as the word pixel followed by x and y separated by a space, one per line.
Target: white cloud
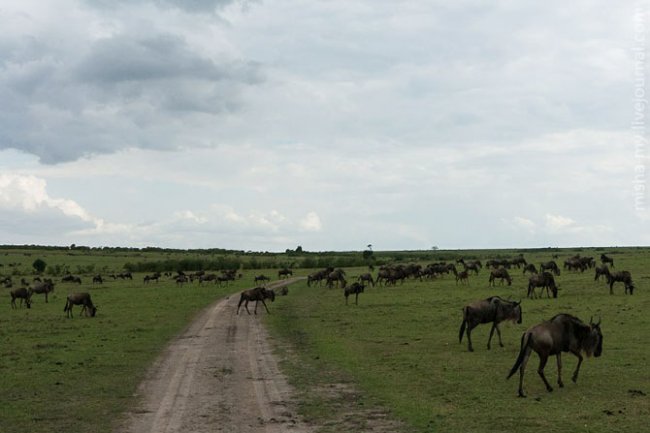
pixel 311 223
pixel 558 222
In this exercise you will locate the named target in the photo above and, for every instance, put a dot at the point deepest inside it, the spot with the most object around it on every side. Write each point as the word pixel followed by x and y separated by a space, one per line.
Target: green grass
pixel 397 349
pixel 79 375
pixel 400 347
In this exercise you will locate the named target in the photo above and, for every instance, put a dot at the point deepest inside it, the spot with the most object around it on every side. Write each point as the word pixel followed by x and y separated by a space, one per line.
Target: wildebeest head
pixel 509 310
pixel 93 311
pixel 270 294
pixel 594 342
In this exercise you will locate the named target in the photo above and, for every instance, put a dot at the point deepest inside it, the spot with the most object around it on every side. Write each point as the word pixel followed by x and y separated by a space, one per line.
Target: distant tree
pixel 39 265
pixel 299 249
pixel 73 246
pixel 368 254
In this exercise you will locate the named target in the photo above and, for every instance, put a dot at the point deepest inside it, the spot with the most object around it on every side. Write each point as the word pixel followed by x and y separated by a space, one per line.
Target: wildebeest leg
pixel 241 299
pixel 611 288
pixel 522 369
pixel 346 298
pixel 246 306
pixel 356 298
pixel 574 378
pixel 264 303
pixel 470 326
pixel 559 371
pixel 540 370
pixel 494 326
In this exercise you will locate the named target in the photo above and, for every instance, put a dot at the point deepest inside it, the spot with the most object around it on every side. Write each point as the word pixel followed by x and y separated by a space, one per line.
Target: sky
pixel 331 125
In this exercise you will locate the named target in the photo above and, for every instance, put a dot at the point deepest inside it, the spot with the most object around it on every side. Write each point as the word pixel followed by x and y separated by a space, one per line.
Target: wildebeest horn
pixel 599 320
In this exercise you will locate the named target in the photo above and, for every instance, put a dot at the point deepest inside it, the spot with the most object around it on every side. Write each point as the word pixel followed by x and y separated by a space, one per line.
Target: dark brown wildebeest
pixel 354 289
pixel 181 279
pixel 82 299
pixel 336 276
pixel 575 264
pixel 530 268
pixel 24 295
pixel 563 333
pixel 544 280
pixel 491 310
pixel 501 273
pixel 472 266
pixel 71 279
pixel 44 287
pixel 550 265
pixel 148 278
pixel 262 278
pixel 622 276
pixel 98 279
pixel 462 276
pixel 258 294
pixel 285 273
pixel 518 262
pixel 367 277
pixel 604 260
pixel 601 270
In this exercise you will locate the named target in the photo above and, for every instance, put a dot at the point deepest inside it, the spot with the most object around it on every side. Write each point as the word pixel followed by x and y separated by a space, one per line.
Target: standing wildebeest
pixel 563 333
pixel 530 268
pixel 82 299
pixel 336 276
pixel 257 294
pixel 544 280
pixel 601 270
pixel 499 273
pixel 43 287
pixel 491 310
pixel 367 277
pixel 550 265
pixel 24 295
pixel 285 273
pixel 353 289
pixel 262 278
pixel 462 276
pixel 604 259
pixel 98 279
pixel 622 276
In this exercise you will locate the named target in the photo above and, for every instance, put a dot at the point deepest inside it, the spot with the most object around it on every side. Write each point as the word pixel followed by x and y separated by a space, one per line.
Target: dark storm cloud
pixel 117 92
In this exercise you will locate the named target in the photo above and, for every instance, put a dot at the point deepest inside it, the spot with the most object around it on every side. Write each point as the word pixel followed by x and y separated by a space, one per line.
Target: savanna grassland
pixel 398 348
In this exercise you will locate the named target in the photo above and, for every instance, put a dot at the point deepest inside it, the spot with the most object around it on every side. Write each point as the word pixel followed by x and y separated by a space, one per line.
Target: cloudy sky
pixel 263 125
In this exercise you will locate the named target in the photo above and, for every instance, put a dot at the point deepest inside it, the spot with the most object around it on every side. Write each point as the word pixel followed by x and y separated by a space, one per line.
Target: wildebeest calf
pixel 491 310
pixel 353 289
pixel 82 299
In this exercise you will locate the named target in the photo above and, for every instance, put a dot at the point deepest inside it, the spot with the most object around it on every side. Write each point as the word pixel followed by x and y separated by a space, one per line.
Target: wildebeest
pixel 71 279
pixel 491 310
pixel 336 276
pixel 98 279
pixel 258 294
pixel 285 273
pixel 544 280
pixel 550 265
pixel 45 287
pixel 353 289
pixel 501 273
pixel 530 268
pixel 601 270
pixel 367 277
pixel 563 333
pixel 604 259
pixel 262 278
pixel 622 276
pixel 462 276
pixel 82 299
pixel 24 295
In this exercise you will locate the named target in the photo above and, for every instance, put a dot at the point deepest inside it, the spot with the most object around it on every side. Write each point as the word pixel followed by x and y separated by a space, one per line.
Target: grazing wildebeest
pixel 336 276
pixel 501 273
pixel 518 262
pixel 544 280
pixel 601 270
pixel 530 268
pixel 622 276
pixel 367 277
pixel 550 265
pixel 24 295
pixel 604 259
pixel 262 278
pixel 472 266
pixel 82 299
pixel 563 333
pixel 285 273
pixel 98 279
pixel 258 294
pixel 353 289
pixel 181 279
pixel 71 279
pixel 491 310
pixel 45 287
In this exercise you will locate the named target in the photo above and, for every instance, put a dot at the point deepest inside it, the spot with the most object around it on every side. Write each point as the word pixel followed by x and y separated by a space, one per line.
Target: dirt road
pixel 219 376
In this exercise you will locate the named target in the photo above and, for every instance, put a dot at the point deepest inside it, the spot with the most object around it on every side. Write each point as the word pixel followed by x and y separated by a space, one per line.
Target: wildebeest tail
pixel 525 341
pixel 462 327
